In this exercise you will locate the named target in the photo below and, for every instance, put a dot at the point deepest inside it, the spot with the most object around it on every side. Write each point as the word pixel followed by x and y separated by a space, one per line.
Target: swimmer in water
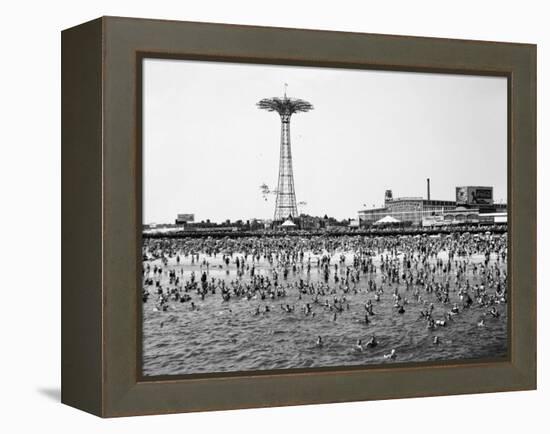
pixel 319 342
pixel 391 355
pixel 358 346
pixel 287 308
pixel 494 312
pixel 436 340
pixel 372 342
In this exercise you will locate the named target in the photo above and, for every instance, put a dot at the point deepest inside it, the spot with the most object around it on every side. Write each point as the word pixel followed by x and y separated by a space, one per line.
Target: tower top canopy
pixel 284 106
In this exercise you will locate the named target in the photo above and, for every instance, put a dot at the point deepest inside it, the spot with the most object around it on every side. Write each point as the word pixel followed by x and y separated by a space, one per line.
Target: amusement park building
pixel 428 212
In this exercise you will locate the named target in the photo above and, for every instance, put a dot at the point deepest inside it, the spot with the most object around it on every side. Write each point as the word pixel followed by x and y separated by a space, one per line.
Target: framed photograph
pixel 259 216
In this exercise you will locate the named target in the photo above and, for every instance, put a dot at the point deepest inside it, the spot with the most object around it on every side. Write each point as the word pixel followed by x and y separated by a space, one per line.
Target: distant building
pixel 473 204
pixel 405 209
pixel 310 222
pixel 494 218
pixel 183 219
pixel 354 223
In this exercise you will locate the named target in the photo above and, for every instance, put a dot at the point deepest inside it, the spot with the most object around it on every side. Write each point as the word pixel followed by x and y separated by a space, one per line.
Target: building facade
pixel 427 212
pixel 405 209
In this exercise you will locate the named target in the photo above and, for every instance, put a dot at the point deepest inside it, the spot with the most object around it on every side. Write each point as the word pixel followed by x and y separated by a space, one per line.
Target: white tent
pixel 288 224
pixel 387 220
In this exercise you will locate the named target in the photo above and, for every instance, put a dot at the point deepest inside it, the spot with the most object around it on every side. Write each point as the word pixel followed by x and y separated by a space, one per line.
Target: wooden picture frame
pixel 101 214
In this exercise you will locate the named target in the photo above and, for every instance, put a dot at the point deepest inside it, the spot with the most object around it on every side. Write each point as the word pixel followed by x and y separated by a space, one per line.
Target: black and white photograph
pixel 299 217
pixel 286 217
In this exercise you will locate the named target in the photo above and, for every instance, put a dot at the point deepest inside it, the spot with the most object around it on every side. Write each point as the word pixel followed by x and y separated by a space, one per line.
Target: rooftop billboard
pixel 473 196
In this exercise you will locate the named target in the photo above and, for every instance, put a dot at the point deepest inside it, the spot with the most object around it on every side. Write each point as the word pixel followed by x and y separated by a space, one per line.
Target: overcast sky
pixel 207 148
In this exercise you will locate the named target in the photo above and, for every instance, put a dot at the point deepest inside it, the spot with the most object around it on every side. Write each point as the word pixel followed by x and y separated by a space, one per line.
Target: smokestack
pixel 428 187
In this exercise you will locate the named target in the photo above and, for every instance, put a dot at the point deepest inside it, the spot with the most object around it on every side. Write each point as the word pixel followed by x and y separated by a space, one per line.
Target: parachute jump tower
pixel 285 204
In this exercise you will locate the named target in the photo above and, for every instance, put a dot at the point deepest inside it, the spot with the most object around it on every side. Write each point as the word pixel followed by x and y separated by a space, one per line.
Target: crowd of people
pixel 315 277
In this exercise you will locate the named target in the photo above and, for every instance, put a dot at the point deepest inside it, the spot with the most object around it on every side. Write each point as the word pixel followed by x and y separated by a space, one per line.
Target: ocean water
pixel 223 336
